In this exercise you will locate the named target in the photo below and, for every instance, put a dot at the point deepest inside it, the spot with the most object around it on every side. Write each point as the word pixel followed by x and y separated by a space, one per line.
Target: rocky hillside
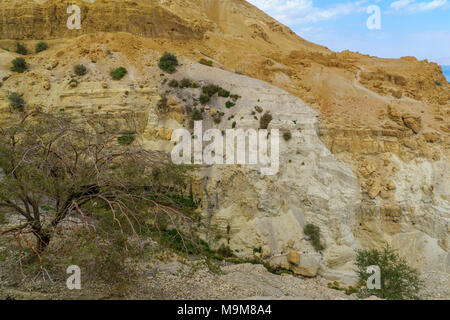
pixel 368 160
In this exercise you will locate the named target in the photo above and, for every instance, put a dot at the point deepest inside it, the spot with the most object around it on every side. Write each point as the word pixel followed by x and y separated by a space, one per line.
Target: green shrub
pixel 185 83
pixel 205 62
pixel 398 280
pixel 217 118
pixel 19 65
pixel 41 46
pixel 173 83
pixel 197 115
pixel 235 96
pixel 80 70
pixel 233 124
pixel 223 93
pixel 17 101
pixel 20 48
pixel 118 73
pixel 229 104
pixel 438 83
pixel 210 89
pixel 204 99
pixel 162 104
pixel 2 218
pixel 125 140
pixel 5 78
pixel 287 135
pixel 313 233
pixel 168 62
pixel 265 120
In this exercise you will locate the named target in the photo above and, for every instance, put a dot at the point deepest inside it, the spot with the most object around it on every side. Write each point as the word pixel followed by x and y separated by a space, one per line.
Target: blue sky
pixel 419 28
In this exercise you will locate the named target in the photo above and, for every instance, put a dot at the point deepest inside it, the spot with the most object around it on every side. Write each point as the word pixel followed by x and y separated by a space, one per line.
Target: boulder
pixel 413 122
pixel 308 266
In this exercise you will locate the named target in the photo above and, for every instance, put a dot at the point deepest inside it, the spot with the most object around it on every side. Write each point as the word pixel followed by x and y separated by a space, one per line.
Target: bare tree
pixel 50 163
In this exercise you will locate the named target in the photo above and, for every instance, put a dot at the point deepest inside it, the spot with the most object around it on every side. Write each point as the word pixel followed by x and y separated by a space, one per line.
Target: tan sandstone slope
pixel 370 160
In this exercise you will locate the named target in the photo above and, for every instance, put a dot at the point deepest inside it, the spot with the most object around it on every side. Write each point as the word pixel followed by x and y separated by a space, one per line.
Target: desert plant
pixel 173 83
pixel 17 101
pixel 80 70
pixel 125 140
pixel 162 104
pixel 265 120
pixel 223 93
pixel 48 159
pixel 287 135
pixel 118 73
pixel 197 115
pixel 438 83
pixel 204 99
pixel 185 83
pixel 41 46
pixel 313 233
pixel 168 62
pixel 205 62
pixel 229 104
pixel 233 125
pixel 19 65
pixel 398 280
pixel 21 49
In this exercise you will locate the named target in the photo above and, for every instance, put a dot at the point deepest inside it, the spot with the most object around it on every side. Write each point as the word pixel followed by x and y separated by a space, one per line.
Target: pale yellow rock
pixel 293 257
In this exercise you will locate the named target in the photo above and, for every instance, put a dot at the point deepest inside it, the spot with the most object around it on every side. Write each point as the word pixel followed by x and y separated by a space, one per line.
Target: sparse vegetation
pixel 173 83
pixel 223 93
pixel 21 49
pixel 41 46
pixel 233 125
pixel 287 135
pixel 265 120
pixel 204 99
pixel 313 233
pixel 80 70
pixel 438 83
pixel 118 73
pixel 398 280
pixel 17 101
pixel 125 140
pixel 197 114
pixel 185 83
pixel 162 104
pixel 168 62
pixel 205 62
pixel 19 65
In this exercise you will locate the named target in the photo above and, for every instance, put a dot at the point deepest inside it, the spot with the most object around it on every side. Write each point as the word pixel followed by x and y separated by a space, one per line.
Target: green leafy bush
pixel 80 70
pixel 223 93
pixel 398 280
pixel 41 46
pixel 20 48
pixel 438 83
pixel 125 140
pixel 168 62
pixel 229 104
pixel 17 101
pixel 19 65
pixel 185 83
pixel 118 73
pixel 233 125
pixel 313 233
pixel 210 89
pixel 265 120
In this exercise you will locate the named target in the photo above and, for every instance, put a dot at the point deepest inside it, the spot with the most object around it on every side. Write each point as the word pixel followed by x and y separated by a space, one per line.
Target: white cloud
pixel 413 6
pixel 303 11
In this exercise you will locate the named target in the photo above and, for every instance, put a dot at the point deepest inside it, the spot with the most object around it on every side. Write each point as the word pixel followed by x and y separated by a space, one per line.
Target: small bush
pixel 265 120
pixel 125 140
pixel 217 118
pixel 20 48
pixel 118 73
pixel 17 101
pixel 168 62
pixel 210 90
pixel 398 280
pixel 173 83
pixel 185 83
pixel 235 96
pixel 205 62
pixel 41 46
pixel 233 125
pixel 197 115
pixel 80 70
pixel 19 65
pixel 438 83
pixel 204 99
pixel 5 78
pixel 287 135
pixel 223 93
pixel 313 232
pixel 229 104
